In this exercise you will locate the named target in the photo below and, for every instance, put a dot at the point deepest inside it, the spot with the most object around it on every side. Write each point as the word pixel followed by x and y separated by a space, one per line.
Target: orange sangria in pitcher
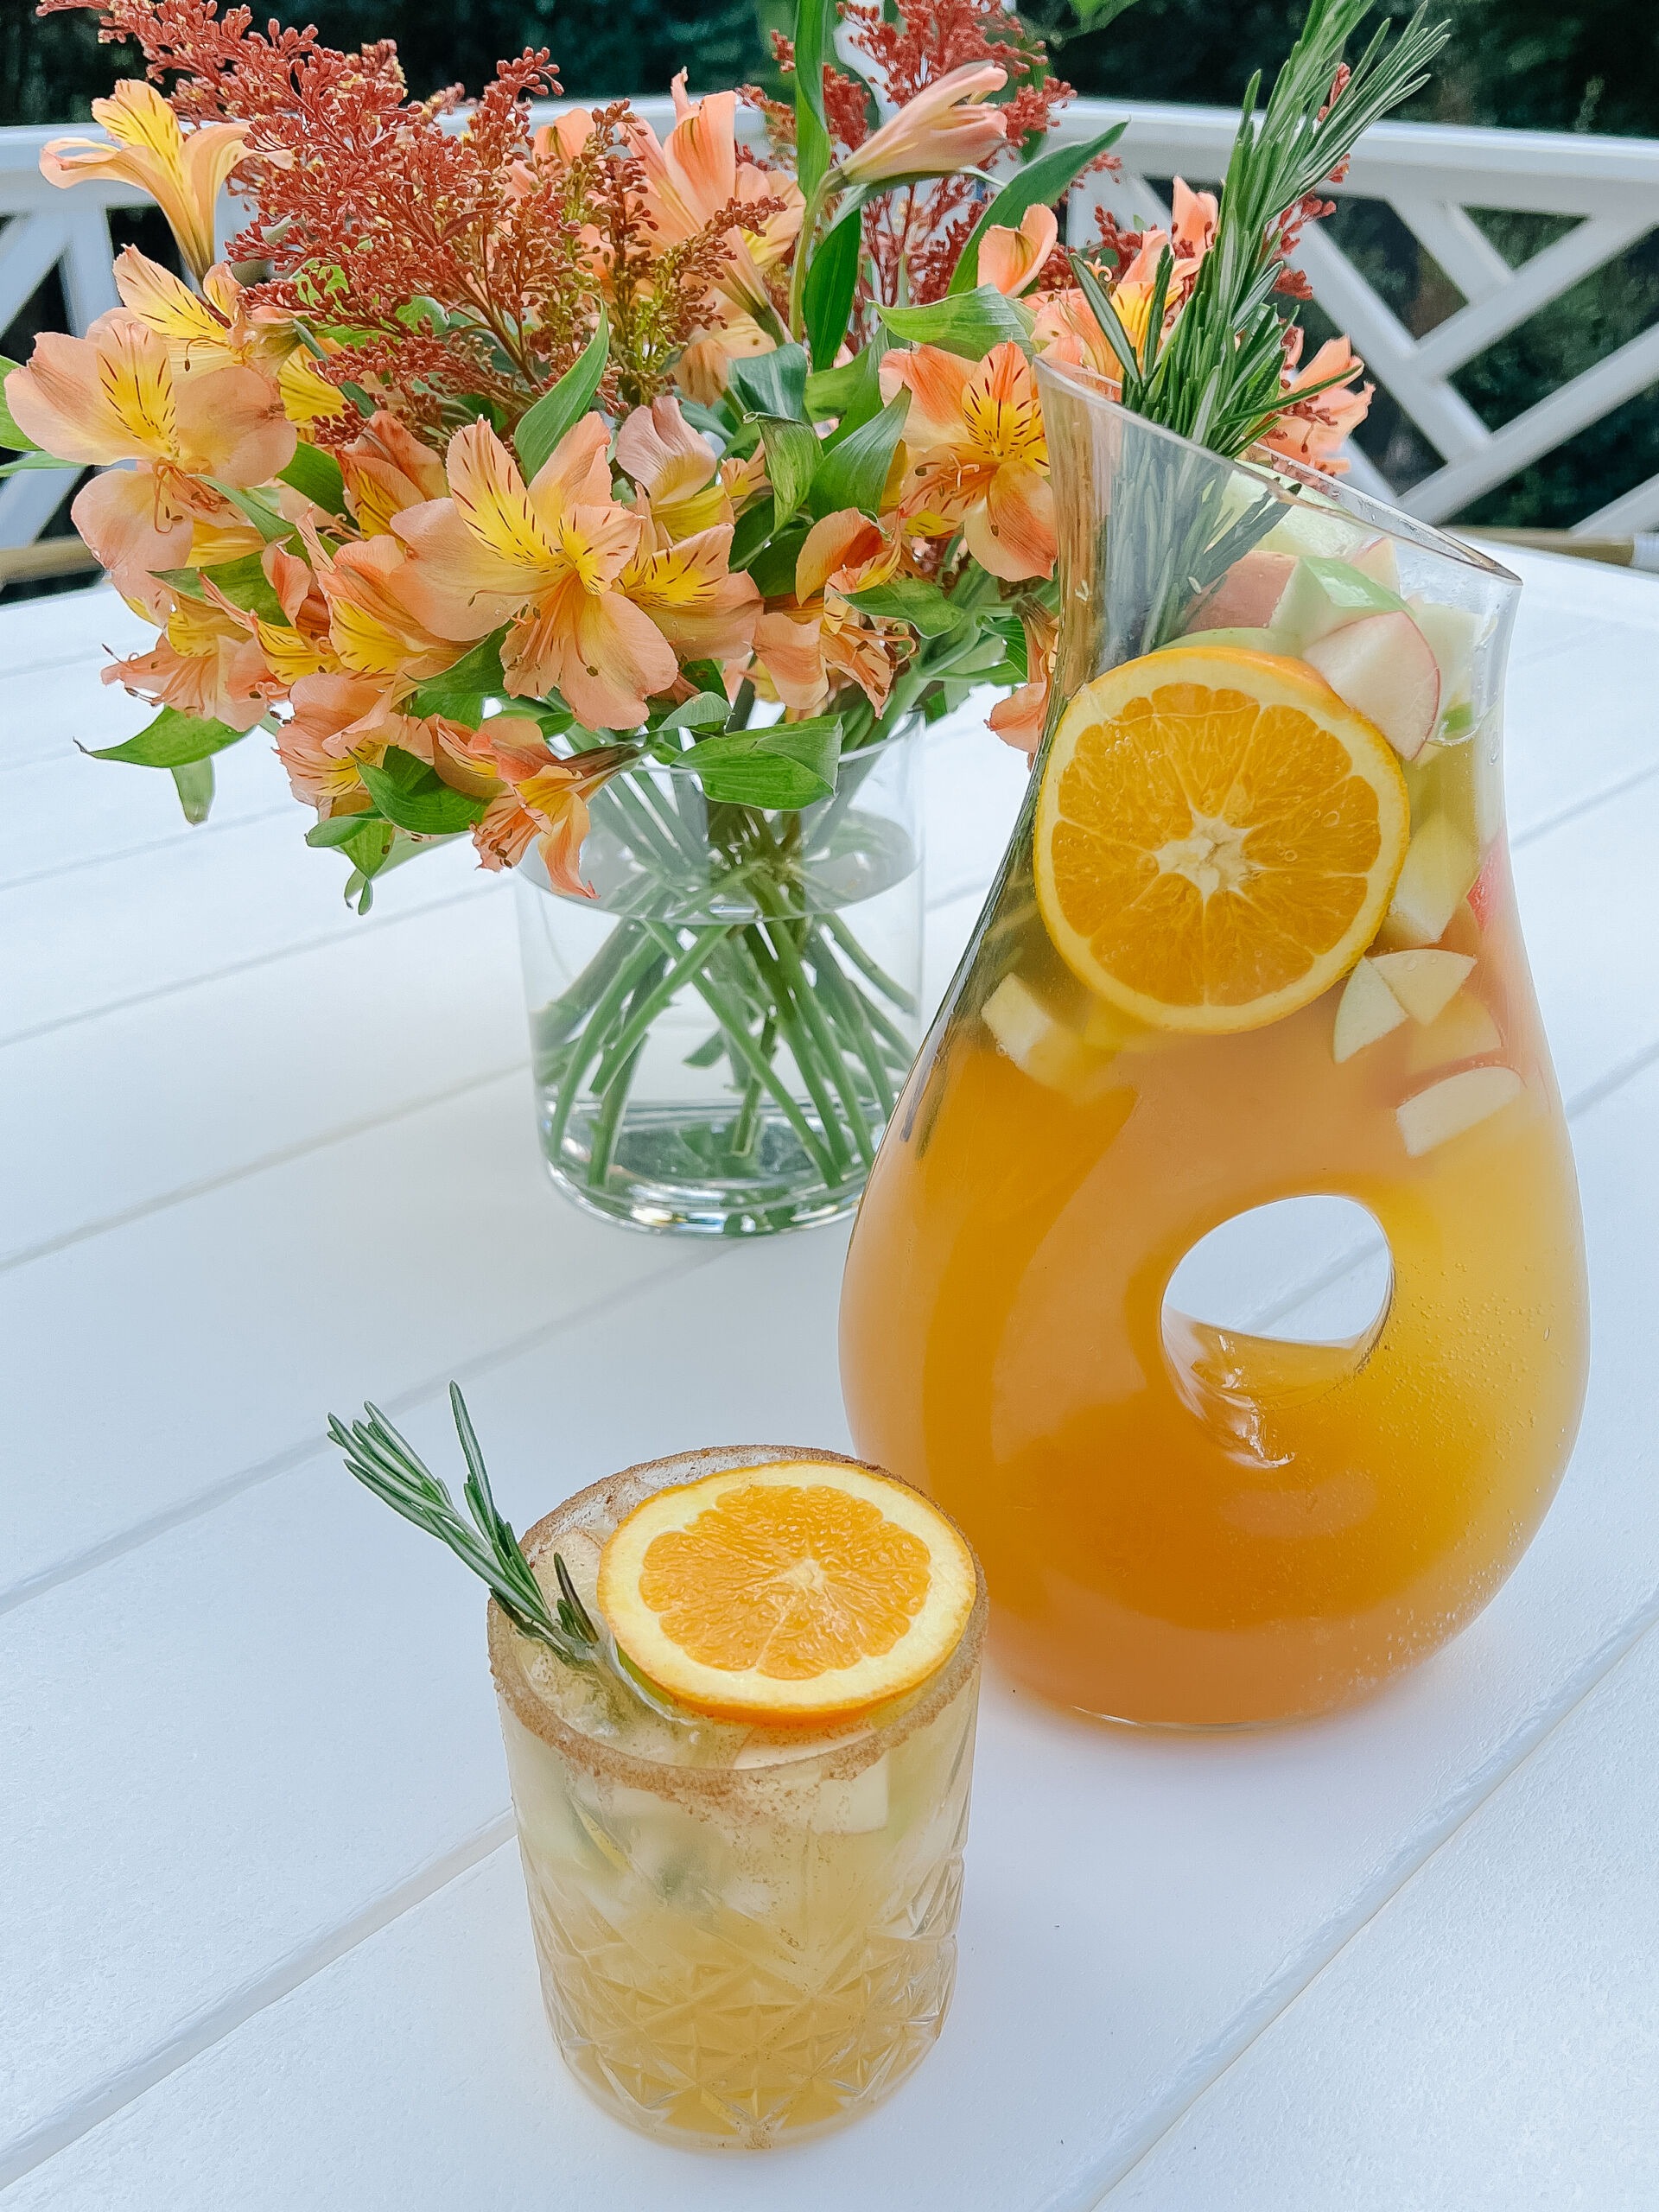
pixel 1254 939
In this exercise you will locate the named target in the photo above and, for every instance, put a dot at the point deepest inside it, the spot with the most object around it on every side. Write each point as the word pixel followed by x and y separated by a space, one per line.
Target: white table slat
pixel 1500 2008
pixel 263 1948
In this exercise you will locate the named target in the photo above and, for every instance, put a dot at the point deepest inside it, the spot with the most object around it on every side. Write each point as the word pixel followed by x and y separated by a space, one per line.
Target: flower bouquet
pixel 625 504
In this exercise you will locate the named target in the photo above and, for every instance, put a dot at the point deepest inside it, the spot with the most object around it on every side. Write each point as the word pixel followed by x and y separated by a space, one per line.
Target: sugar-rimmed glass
pixel 746 1934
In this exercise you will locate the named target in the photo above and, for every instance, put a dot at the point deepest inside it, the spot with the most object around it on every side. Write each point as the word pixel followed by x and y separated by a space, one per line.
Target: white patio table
pixel 263 1945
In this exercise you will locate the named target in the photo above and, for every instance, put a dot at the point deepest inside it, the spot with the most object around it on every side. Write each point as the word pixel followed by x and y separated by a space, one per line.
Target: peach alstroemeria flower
pixel 942 129
pixel 204 664
pixel 1013 260
pixel 299 645
pixel 694 175
pixel 545 801
pixel 978 462
pixel 688 591
pixel 339 720
pixel 183 173
pixel 376 624
pixel 544 558
pixel 1314 430
pixel 1064 329
pixel 806 648
pixel 213 329
pixel 115 396
pixel 332 719
pixel 676 468
pixel 1019 719
pixel 388 470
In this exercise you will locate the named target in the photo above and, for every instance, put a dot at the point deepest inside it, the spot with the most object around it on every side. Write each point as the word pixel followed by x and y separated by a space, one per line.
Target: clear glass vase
pixel 1186 1520
pixel 747 1936
pixel 718 1036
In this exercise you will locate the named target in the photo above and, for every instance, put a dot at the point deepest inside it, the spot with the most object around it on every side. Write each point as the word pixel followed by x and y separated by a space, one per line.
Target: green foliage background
pixel 1557 65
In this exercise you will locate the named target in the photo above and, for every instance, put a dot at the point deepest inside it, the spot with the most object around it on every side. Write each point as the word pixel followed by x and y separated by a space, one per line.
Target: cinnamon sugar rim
pixel 619 1494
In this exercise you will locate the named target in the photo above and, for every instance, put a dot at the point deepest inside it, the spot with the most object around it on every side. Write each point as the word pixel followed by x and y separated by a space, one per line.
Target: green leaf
pixel 969 323
pixel 861 396
pixel 369 848
pixel 754 528
pixel 829 391
pixel 194 781
pixel 707 710
pixel 913 599
pixel 772 384
pixel 315 475
pixel 853 473
pixel 244 582
pixel 772 567
pixel 28 461
pixel 831 280
pixel 9 433
pixel 172 740
pixel 459 694
pixel 785 767
pixel 1106 315
pixel 561 409
pixel 792 452
pixel 338 830
pixel 416 798
pixel 1040 184
pixel 264 516
pixel 815 31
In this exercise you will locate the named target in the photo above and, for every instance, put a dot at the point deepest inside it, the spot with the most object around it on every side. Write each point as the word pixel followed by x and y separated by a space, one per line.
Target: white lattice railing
pixel 1430 174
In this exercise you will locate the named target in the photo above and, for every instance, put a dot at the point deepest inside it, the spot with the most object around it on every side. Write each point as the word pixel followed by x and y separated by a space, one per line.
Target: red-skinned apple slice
pixel 1383 669
pixel 1246 596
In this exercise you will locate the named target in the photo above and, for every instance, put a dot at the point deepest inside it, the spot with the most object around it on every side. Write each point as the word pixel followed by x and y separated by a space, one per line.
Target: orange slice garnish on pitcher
pixel 1217 837
pixel 803 1591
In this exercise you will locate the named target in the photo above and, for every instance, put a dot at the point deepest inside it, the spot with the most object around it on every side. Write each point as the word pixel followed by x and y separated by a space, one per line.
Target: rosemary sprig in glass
pixel 388 1463
pixel 1214 376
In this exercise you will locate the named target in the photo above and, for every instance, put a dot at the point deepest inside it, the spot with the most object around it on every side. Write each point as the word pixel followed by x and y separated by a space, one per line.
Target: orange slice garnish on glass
pixel 1217 837
pixel 802 1590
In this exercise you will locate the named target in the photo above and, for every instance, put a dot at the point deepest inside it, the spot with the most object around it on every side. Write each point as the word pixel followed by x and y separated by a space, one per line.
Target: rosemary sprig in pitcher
pixel 386 1463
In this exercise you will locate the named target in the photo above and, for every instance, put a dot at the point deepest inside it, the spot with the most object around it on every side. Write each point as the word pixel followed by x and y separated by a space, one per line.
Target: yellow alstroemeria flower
pixel 183 173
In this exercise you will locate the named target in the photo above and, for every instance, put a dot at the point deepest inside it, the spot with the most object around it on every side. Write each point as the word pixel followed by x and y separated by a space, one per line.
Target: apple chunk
pixel 1367 1010
pixel 1047 1049
pixel 1457 1103
pixel 1246 595
pixel 1465 1031
pixel 1453 633
pixel 1383 667
pixel 1440 865
pixel 1424 982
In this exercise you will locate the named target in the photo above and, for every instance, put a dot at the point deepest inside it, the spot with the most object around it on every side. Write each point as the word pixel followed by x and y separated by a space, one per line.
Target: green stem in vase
pixel 608 1122
pixel 756 949
pixel 866 966
pixel 704 945
pixel 845 1005
pixel 643 953
pixel 746 1128
pixel 742 1046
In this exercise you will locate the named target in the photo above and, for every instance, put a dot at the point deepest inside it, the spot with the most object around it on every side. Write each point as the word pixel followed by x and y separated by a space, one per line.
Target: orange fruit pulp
pixel 801 1591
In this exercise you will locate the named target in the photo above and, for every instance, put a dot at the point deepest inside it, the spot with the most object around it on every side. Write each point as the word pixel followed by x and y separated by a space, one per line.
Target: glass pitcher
pixel 1182 1521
